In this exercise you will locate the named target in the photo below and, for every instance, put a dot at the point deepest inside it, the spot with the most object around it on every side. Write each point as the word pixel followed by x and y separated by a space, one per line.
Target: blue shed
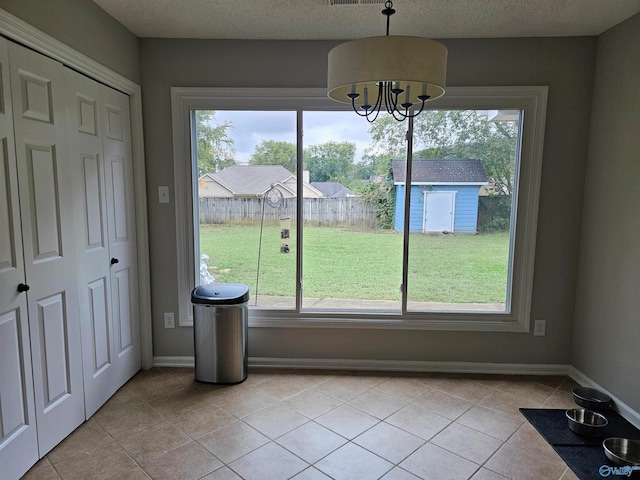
pixel 444 194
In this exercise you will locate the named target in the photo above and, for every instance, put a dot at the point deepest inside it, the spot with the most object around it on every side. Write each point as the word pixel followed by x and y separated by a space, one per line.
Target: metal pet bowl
pixel 591 399
pixel 586 423
pixel 622 451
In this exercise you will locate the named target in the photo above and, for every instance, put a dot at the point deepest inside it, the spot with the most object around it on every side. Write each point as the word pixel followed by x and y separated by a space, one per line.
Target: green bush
pixel 494 213
pixel 495 225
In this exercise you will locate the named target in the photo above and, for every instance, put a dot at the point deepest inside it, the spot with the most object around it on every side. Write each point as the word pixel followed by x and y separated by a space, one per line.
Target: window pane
pixel 463 185
pixel 352 257
pixel 246 163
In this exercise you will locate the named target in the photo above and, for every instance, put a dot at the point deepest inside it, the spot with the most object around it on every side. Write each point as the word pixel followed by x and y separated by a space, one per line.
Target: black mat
pixel 584 455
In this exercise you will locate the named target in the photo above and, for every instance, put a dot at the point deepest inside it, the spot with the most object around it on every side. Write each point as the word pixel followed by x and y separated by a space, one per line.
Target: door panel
pixel 114 126
pixel 46 211
pixel 13 414
pixel 42 171
pixel 119 199
pixel 8 232
pixel 100 331
pixel 86 114
pixel 92 253
pixel 101 155
pixel 93 199
pixel 122 311
pixel 18 433
pixel 36 100
pixel 52 323
pixel 121 221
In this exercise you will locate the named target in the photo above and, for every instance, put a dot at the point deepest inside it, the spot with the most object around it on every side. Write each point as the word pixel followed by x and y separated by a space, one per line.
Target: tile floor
pixel 315 425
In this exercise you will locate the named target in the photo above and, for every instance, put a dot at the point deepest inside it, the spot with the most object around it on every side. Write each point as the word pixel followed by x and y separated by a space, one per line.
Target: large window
pixel 321 215
pixel 246 165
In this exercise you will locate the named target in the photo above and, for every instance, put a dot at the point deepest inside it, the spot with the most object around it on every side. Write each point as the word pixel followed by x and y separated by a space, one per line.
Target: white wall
pixel 606 334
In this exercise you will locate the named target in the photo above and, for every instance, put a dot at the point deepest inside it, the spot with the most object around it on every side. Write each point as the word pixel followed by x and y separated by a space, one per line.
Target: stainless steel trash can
pixel 220 316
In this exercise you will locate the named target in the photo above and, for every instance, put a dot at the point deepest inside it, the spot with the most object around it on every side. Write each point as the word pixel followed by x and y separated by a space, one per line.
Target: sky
pixel 251 127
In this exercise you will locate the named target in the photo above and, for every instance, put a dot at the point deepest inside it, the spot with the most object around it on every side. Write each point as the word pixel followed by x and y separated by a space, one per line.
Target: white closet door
pixel 18 435
pixel 91 237
pixel 46 206
pixel 100 150
pixel 116 129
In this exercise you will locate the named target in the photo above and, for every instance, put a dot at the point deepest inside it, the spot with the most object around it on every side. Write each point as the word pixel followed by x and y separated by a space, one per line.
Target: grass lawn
pixel 354 264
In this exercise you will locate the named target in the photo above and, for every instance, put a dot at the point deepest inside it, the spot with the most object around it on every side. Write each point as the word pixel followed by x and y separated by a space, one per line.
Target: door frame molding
pixel 22 32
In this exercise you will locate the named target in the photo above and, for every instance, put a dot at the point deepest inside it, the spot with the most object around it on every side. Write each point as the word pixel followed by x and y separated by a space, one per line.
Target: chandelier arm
pixel 388 97
pixel 399 116
pixel 419 111
pixel 379 99
pixel 355 109
pixel 367 113
pixel 392 105
pixel 376 107
pixel 371 120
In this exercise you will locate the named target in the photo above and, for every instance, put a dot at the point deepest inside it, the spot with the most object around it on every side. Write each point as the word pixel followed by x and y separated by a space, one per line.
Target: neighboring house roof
pixel 440 171
pixel 251 179
pixel 211 177
pixel 333 189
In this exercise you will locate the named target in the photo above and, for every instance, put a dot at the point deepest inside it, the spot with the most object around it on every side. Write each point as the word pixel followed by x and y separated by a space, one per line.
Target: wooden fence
pixel 351 211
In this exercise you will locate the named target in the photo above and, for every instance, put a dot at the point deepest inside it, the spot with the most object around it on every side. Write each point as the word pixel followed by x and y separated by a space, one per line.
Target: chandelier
pixel 393 73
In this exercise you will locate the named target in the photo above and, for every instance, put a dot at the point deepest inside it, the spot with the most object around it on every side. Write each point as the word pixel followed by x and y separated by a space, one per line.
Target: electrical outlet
pixel 539 328
pixel 169 320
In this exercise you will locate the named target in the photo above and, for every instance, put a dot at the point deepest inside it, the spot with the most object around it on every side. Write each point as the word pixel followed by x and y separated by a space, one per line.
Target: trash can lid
pixel 220 294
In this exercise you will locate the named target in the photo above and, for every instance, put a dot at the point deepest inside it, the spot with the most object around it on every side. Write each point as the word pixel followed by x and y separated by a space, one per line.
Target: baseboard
pixel 384 365
pixel 622 408
pixel 409 366
pixel 186 361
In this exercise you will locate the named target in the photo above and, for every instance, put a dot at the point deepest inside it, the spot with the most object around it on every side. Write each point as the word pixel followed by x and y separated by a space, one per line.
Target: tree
pixel 215 148
pixel 272 152
pixel 455 134
pixel 330 161
pixel 379 190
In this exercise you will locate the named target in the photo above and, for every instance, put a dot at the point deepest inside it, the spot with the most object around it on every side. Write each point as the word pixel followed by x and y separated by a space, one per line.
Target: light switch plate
pixel 163 194
pixel 539 328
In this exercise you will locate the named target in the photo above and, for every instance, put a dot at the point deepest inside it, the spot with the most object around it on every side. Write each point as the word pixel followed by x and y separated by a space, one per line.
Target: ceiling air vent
pixel 350 2
pixel 333 3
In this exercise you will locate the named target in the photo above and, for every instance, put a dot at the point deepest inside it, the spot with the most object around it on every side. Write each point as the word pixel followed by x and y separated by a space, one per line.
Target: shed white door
pixel 46 208
pixel 439 211
pixel 18 434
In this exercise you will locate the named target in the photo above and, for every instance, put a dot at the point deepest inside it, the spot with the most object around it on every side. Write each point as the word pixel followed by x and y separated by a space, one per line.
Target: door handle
pixel 114 261
pixel 22 287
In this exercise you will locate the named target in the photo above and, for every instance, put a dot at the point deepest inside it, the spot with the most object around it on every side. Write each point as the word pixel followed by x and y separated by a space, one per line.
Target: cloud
pixel 252 127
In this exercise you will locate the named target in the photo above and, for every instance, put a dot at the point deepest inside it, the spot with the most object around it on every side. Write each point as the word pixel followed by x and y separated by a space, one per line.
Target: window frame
pixel 532 100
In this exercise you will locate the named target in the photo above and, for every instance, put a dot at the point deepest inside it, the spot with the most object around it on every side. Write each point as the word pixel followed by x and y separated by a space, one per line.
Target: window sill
pixel 444 322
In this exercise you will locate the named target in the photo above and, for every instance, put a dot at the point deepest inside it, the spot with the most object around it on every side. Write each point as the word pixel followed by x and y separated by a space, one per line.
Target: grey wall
pixel 566 65
pixel 606 335
pixel 84 26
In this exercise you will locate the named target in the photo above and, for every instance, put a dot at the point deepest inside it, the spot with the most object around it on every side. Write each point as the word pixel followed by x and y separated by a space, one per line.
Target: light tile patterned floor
pixel 315 425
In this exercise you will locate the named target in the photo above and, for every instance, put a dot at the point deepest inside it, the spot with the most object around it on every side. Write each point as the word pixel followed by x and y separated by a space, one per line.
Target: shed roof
pixel 251 179
pixel 441 170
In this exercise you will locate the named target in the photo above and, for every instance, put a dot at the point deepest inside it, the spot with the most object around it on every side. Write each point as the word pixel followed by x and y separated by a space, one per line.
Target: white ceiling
pixel 317 19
